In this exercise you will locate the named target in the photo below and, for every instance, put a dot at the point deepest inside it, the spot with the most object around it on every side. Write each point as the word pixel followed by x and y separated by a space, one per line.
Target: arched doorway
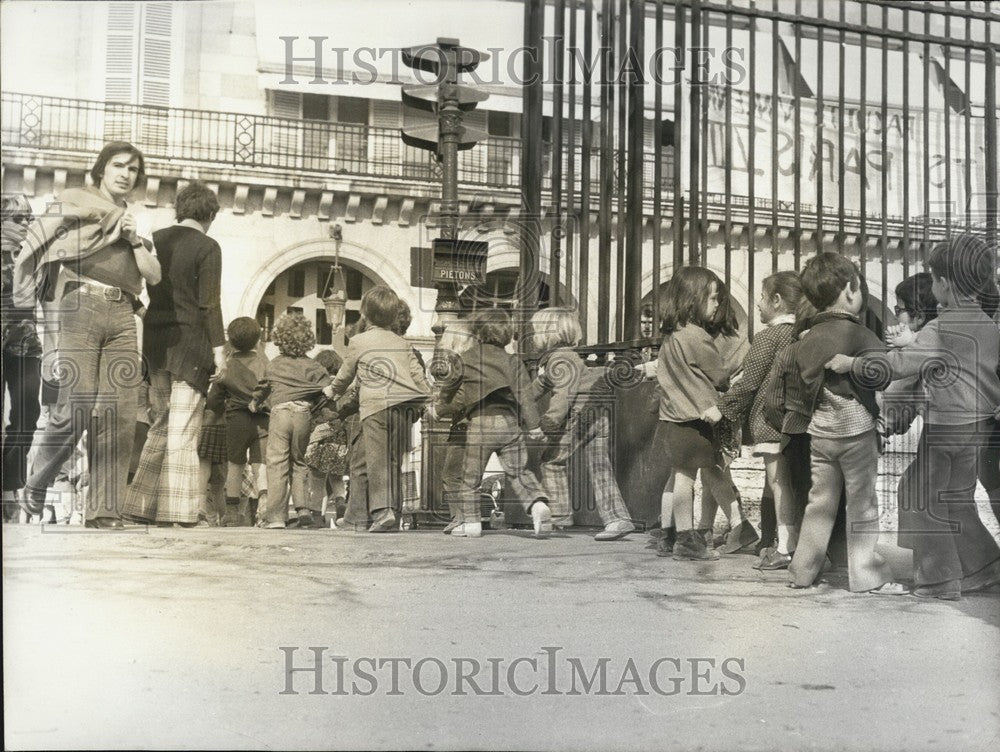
pixel 268 285
pixel 301 288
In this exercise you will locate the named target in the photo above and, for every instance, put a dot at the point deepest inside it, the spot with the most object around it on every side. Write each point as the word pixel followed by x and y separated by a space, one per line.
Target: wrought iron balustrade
pixel 242 140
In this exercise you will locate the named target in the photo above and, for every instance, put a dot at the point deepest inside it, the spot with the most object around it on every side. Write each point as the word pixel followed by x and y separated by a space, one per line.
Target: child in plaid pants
pixel 489 403
pixel 577 421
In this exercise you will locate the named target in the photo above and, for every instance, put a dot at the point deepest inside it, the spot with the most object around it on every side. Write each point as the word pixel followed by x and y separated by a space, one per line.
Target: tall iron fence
pixel 867 127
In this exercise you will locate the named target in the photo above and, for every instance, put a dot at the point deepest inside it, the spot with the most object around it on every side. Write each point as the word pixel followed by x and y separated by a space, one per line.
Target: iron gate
pixel 746 134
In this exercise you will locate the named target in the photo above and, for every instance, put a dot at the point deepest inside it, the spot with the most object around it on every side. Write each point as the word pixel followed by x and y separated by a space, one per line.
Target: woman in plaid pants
pixel 183 339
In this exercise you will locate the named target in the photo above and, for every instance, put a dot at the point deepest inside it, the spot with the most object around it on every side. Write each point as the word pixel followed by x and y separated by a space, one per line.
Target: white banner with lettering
pixel 943 175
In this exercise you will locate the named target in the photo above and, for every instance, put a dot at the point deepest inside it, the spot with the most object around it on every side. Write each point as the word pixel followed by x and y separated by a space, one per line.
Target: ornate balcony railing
pixel 243 140
pixel 240 140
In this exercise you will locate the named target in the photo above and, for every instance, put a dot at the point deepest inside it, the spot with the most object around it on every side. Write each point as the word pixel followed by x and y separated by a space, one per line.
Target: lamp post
pixel 336 297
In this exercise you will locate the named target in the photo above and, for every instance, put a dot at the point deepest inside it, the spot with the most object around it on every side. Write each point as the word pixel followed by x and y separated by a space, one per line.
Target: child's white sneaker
pixel 541 516
pixel 468 530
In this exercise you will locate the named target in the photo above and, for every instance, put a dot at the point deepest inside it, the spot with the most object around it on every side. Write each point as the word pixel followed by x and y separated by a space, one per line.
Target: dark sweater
pixel 184 319
pixel 244 370
pixel 489 376
pixel 784 405
pixel 571 384
pixel 287 379
pixel 835 332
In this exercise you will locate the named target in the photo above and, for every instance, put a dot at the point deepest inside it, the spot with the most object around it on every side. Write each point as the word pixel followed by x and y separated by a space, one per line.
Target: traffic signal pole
pixel 449 101
pixel 449 123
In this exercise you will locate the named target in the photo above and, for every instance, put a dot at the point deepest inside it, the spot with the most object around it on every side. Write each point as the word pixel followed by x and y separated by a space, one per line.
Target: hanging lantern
pixel 335 301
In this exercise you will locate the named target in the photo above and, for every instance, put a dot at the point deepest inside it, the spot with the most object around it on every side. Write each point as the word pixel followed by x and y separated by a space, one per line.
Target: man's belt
pixel 108 292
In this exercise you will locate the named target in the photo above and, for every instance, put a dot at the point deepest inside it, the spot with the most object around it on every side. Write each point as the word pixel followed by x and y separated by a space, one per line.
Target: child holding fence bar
pixel 956 355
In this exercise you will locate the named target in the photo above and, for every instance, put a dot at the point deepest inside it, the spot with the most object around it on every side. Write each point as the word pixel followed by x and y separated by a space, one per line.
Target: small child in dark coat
pixel 489 401
pixel 291 385
pixel 245 432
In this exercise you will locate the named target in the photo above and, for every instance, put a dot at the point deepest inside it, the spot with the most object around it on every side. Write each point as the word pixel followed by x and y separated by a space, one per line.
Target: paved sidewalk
pixel 173 639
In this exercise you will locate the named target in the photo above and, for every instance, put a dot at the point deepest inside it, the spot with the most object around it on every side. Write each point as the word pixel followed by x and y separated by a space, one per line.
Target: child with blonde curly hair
pixel 291 385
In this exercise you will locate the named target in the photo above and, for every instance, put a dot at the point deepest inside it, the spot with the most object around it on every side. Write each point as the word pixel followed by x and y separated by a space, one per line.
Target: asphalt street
pixel 172 638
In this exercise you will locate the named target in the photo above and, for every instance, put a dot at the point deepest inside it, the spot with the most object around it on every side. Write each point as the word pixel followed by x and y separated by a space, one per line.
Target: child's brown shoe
pixel 951 590
pixel 985 578
pixel 690 546
pixel 740 537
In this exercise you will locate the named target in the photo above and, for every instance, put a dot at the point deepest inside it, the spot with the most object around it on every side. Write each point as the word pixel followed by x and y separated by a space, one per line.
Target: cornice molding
pixel 379 203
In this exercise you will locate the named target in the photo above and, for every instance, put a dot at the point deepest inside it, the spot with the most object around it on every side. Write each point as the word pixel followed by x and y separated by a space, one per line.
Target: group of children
pixel 282 413
pixel 316 420
pixel 805 393
pixel 807 389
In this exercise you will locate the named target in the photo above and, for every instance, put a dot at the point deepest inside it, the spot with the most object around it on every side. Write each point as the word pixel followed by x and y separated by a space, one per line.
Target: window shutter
pixel 316 131
pixel 384 144
pixel 285 146
pixel 286 104
pixel 471 163
pixel 155 76
pixel 120 71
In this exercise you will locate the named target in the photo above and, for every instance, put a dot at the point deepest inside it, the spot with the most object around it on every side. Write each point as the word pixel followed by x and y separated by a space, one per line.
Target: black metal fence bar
pixel 728 151
pixel 751 171
pixel 927 121
pixel 862 162
pixel 532 135
pixel 558 154
pixel 992 165
pixel 775 54
pixel 703 169
pixel 632 272
pixel 606 172
pixel 587 135
pixel 571 202
pixel 658 128
pixel 947 126
pixel 820 155
pixel 906 146
pixel 841 114
pixel 680 27
pixel 694 142
pixel 621 166
pixel 797 148
pixel 884 237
